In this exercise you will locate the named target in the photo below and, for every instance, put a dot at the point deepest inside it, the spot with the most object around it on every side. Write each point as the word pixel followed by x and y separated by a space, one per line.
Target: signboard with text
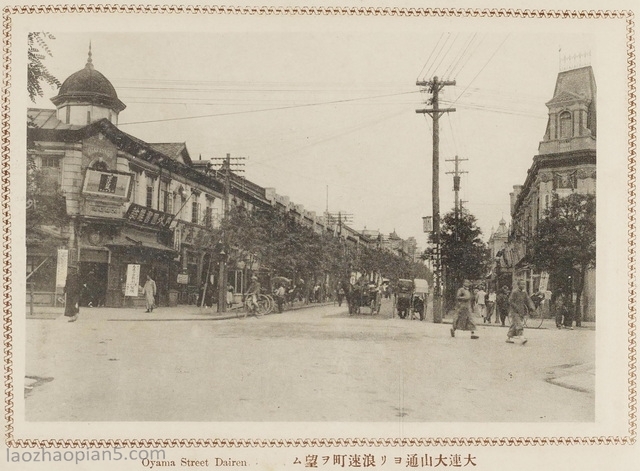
pixel 106 183
pixel 61 268
pixel 148 217
pixel 133 280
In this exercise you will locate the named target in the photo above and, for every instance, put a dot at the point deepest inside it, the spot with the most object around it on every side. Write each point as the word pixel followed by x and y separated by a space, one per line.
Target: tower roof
pixel 89 86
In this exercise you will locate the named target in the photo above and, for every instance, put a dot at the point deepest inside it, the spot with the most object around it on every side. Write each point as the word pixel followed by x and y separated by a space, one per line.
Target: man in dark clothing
pixel 519 304
pixel 502 303
pixel 72 290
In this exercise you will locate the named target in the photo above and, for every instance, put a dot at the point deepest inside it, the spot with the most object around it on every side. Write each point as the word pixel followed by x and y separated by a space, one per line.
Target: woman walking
pixel 72 290
pixel 463 319
pixel 149 291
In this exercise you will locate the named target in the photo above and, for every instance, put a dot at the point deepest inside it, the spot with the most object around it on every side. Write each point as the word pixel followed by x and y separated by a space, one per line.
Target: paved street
pixel 313 364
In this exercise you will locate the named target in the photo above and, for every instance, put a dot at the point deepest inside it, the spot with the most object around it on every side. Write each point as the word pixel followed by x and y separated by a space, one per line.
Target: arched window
pixel 566 125
pixel 99 164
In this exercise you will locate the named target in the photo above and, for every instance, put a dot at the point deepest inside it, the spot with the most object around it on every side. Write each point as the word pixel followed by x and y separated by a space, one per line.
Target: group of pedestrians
pixel 515 305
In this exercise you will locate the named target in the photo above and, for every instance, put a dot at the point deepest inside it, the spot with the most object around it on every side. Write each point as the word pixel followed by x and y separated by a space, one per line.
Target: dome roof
pixel 89 86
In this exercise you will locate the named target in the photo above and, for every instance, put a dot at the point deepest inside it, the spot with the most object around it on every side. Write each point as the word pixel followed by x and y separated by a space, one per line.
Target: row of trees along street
pixel 285 247
pixel 563 244
pixel 463 253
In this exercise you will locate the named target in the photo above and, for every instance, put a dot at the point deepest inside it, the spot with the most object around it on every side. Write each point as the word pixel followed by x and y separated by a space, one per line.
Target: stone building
pixel 132 203
pixel 566 163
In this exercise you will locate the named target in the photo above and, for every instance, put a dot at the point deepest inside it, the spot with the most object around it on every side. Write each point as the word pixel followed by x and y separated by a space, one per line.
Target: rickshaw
pixel 404 296
pixel 419 299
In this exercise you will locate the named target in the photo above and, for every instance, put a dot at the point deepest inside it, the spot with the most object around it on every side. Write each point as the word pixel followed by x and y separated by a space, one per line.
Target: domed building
pixel 128 203
pixel 87 96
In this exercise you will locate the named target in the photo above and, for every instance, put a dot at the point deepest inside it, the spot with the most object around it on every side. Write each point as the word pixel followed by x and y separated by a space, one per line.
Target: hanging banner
pixel 427 224
pixel 133 280
pixel 61 268
pixel 544 281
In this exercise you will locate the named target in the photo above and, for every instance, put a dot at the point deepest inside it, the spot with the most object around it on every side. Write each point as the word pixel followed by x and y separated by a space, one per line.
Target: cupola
pixel 87 96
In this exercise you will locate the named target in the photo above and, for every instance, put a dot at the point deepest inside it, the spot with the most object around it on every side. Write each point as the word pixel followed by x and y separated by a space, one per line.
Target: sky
pixel 330 119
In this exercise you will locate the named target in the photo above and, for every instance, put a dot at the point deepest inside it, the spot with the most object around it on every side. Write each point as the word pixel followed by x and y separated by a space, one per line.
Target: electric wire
pixel 483 67
pixel 428 73
pixel 429 58
pixel 230 113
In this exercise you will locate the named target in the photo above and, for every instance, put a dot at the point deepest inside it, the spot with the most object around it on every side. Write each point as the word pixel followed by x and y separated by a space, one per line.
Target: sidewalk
pixel 178 313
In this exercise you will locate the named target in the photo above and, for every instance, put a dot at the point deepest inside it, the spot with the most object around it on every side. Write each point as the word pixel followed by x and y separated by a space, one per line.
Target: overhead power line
pixel 483 67
pixel 266 109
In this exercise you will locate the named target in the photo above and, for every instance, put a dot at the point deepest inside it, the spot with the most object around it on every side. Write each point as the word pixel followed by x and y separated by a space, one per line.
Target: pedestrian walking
pixel 251 296
pixel 149 291
pixel 340 295
pixel 72 291
pixel 480 303
pixel 568 312
pixel 560 307
pixel 491 305
pixel 519 304
pixel 502 305
pixel 229 296
pixel 462 320
pixel 279 293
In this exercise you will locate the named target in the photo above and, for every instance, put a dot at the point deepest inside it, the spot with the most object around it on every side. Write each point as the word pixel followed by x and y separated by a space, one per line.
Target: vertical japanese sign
pixel 544 281
pixel 427 224
pixel 133 280
pixel 61 268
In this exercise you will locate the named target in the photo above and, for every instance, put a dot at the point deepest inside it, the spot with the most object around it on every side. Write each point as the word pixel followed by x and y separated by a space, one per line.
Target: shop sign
pixel 183 279
pixel 102 209
pixel 544 281
pixel 106 183
pixel 427 224
pixel 133 280
pixel 148 217
pixel 61 268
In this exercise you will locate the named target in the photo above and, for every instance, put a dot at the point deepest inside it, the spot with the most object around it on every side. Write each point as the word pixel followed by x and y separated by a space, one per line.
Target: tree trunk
pixel 578 308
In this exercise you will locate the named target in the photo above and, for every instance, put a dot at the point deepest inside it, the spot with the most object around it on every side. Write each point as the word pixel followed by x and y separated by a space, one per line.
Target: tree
pixel 46 204
pixel 463 253
pixel 37 71
pixel 565 243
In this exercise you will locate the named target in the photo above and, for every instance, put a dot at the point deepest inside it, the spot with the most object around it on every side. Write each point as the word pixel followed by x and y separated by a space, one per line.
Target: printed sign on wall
pixel 61 268
pixel 133 280
pixel 106 183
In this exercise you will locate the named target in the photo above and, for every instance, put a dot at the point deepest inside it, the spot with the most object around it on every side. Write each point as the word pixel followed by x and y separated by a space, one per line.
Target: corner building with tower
pixel 131 202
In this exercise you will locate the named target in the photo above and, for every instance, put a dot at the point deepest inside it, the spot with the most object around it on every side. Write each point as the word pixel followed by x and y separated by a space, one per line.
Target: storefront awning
pixel 130 238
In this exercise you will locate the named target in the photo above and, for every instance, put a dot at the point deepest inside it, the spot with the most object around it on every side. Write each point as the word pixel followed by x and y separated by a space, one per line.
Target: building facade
pixel 565 164
pixel 133 203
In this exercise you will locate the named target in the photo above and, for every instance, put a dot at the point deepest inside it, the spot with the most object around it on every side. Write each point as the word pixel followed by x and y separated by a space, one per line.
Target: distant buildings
pixel 566 163
pixel 135 204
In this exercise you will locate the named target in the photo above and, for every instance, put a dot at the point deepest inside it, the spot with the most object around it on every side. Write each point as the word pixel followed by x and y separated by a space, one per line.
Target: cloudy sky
pixel 321 113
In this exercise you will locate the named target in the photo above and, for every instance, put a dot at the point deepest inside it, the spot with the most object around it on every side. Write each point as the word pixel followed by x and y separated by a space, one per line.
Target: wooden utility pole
pixel 434 87
pixel 222 275
pixel 456 182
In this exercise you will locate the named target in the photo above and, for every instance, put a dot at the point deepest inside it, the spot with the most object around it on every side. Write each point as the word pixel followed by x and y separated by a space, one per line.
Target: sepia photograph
pixel 249 226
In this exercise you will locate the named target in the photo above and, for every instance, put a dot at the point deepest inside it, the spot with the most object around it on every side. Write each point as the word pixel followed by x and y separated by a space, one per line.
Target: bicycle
pixel 535 320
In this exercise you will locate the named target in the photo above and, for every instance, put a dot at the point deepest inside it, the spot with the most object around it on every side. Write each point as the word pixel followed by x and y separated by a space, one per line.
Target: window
pixel 566 125
pixel 164 196
pixel 88 117
pixel 208 217
pixel 170 197
pixel 149 192
pixel 546 201
pixel 195 210
pixel 50 162
pixel 68 115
